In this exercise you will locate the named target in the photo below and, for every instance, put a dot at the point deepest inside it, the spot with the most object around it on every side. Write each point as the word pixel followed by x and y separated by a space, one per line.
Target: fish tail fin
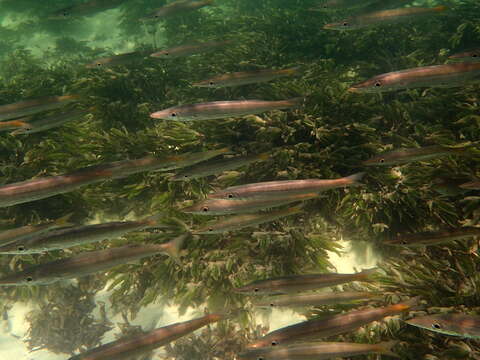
pixel 407 305
pixel 174 246
pixel 297 70
pixel 225 150
pixel 354 180
pixel 69 97
pixel 366 275
pixel 296 209
pixel 385 348
pixel 464 149
pixel 440 8
pixel 264 156
pixel 295 102
pixel 19 123
pixel 153 221
pixel 64 221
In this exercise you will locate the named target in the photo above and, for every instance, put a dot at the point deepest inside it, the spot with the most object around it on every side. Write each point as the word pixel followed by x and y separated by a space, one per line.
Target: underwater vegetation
pixel 420 138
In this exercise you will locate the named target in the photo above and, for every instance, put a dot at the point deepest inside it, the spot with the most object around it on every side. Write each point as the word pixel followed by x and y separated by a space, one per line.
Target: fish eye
pixel 382 161
pixel 21 248
pixel 173 114
pixel 475 55
pixel 274 343
pixel 29 279
pixel 205 209
pixel 256 289
pixel 260 358
pixel 230 196
pixel 345 24
pixel 98 64
pixel 166 53
pixel 211 83
pixel 378 84
pixel 272 304
pixel 404 242
pixel 436 326
pixel 185 176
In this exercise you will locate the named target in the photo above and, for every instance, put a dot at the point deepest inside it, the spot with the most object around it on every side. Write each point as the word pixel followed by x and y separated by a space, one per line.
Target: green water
pixel 327 136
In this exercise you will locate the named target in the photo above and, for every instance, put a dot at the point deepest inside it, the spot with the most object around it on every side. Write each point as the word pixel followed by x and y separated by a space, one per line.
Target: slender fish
pixel 295 283
pixel 448 75
pixel 133 346
pixel 190 49
pixel 18 125
pixel 223 206
pixel 472 185
pixel 217 166
pixel 320 351
pixel 51 121
pixel 471 55
pixel 29 107
pixel 246 77
pixel 115 60
pixel 403 156
pixel 241 221
pixel 384 16
pixel 27 232
pixel 334 5
pixel 88 263
pixel 272 189
pixel 434 238
pixel 467 326
pixel 314 299
pixel 223 109
pixel 176 8
pixel 328 325
pixel 124 168
pixel 40 188
pixel 85 9
pixel 78 235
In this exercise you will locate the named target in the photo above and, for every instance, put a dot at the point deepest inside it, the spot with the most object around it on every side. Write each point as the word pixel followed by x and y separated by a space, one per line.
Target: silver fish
pixel 217 166
pixel 190 49
pixel 132 346
pixel 246 77
pixel 51 121
pixel 320 351
pixel 467 326
pixel 27 232
pixel 448 75
pixel 176 8
pixel 295 283
pixel 314 299
pixel 222 109
pixel 88 263
pixel 222 206
pixel 32 106
pixel 329 325
pixel 73 236
pixel 241 221
pixel 272 189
